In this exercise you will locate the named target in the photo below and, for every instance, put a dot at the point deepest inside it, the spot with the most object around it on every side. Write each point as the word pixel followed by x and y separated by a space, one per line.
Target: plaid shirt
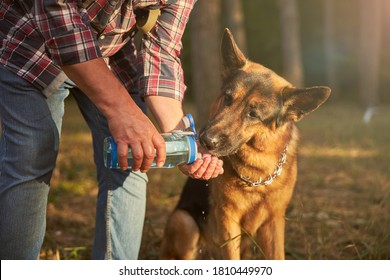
pixel 37 37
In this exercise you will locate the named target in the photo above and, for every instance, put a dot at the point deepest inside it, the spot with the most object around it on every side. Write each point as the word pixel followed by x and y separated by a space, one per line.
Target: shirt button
pixel 101 37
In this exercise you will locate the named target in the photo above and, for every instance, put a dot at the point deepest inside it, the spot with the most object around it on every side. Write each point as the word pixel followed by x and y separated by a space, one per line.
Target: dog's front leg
pixel 228 238
pixel 271 237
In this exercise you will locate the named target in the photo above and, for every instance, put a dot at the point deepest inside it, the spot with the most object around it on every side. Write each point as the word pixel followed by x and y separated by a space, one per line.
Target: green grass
pixel 340 208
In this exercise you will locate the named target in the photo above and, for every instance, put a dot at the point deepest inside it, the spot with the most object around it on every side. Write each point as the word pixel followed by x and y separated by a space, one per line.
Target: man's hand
pixel 142 137
pixel 208 167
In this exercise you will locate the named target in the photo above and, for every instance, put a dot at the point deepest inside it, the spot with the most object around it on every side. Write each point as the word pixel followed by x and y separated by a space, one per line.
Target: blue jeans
pixel 31 126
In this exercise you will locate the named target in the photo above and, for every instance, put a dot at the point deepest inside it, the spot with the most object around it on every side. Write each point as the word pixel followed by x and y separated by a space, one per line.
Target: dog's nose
pixel 208 141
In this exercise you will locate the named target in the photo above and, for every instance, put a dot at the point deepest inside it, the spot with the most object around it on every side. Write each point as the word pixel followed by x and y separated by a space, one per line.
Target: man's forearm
pixel 167 111
pixel 96 80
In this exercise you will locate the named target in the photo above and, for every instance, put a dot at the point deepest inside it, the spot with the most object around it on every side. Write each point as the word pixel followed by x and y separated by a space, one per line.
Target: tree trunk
pixel 330 47
pixel 205 56
pixel 370 45
pixel 235 22
pixel 291 47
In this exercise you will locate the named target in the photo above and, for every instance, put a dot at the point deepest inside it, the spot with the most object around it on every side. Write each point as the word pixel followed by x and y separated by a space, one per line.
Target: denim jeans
pixel 29 144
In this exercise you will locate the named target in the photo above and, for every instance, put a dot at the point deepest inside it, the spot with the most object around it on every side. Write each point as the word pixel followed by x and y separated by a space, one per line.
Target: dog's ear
pixel 297 103
pixel 232 57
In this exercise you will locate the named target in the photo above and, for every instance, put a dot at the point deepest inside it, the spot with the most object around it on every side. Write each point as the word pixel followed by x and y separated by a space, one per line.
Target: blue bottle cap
pixel 192 125
pixel 192 155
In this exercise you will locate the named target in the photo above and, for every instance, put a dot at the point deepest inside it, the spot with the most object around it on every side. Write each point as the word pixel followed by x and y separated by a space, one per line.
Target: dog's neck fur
pixel 255 161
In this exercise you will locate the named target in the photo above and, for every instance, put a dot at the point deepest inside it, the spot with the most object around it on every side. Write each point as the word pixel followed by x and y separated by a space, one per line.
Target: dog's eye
pixel 252 114
pixel 228 99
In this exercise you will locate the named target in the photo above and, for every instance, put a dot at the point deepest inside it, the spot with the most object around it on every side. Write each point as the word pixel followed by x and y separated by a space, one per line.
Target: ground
pixel 340 208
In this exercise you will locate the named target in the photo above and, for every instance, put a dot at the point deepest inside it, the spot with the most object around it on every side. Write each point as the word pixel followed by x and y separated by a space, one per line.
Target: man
pixel 51 47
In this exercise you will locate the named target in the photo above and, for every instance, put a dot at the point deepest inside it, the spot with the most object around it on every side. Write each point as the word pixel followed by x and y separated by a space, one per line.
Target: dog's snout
pixel 208 141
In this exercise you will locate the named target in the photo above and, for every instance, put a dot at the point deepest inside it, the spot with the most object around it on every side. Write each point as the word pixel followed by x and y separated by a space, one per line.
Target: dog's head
pixel 254 100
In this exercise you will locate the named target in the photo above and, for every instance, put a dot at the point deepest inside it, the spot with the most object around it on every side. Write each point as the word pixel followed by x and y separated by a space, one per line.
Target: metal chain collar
pixel 270 178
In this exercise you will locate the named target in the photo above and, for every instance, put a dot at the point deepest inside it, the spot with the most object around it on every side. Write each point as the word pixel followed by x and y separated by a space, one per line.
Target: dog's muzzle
pixel 208 141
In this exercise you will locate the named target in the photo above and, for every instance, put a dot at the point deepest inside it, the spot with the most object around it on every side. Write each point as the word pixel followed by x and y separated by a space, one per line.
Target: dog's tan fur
pixel 250 125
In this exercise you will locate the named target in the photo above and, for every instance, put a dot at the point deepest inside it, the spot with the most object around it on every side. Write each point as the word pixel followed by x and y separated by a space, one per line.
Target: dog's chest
pixel 235 197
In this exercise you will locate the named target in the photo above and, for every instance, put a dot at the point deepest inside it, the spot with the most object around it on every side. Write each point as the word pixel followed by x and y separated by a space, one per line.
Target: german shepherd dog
pixel 251 126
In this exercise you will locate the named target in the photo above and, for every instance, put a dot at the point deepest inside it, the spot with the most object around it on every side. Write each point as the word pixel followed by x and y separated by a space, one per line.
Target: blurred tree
pixel 385 55
pixel 235 22
pixel 262 26
pixel 370 44
pixel 291 47
pixel 330 47
pixel 205 56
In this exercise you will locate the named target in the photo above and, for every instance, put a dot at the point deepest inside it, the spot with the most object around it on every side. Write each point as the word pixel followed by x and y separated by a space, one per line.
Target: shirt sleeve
pixel 65 27
pixel 159 58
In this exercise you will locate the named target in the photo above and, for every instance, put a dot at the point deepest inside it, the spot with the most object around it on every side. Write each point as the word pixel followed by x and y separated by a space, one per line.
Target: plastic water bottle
pixel 180 148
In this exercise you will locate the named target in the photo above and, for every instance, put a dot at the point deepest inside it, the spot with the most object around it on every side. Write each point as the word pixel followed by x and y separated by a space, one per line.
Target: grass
pixel 341 205
pixel 340 209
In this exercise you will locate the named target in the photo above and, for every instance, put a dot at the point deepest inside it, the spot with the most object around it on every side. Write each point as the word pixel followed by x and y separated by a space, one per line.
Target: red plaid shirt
pixel 37 37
